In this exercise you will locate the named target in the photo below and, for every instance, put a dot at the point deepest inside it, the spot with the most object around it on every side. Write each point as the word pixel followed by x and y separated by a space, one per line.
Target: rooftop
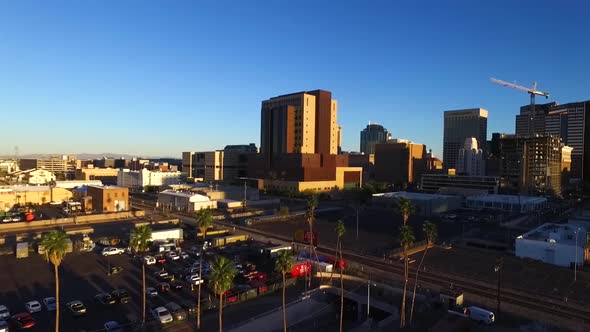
pixel 557 233
pixel 413 196
pixel 509 199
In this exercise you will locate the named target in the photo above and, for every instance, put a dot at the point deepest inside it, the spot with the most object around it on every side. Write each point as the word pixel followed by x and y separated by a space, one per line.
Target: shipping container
pixel 223 241
pixel 300 268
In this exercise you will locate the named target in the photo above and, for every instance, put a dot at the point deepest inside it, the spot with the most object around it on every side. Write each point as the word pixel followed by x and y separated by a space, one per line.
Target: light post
pixel 369 297
pixel 498 269
pixel 576 262
pixel 357 222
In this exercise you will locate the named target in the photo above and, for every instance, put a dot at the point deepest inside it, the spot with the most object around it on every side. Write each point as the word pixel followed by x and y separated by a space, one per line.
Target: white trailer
pixel 480 315
pixel 167 235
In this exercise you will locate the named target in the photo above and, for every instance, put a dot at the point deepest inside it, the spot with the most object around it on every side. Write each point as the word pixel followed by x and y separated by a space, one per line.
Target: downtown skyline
pixel 163 78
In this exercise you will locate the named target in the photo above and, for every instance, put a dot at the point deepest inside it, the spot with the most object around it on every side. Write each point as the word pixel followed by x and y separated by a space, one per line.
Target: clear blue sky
pixel 159 77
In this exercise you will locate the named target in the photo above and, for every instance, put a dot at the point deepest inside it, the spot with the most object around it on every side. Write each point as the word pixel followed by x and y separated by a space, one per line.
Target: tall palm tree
pixel 430 232
pixel 405 208
pixel 220 281
pixel 140 242
pixel 406 239
pixel 55 244
pixel 312 203
pixel 340 230
pixel 283 265
pixel 204 222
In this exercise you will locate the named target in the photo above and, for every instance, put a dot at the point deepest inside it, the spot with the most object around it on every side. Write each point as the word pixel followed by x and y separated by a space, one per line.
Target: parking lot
pixel 83 275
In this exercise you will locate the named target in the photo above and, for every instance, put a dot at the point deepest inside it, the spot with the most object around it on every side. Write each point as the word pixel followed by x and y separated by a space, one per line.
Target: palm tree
pixel 220 281
pixel 430 232
pixel 140 241
pixel 405 208
pixel 340 230
pixel 283 265
pixel 406 239
pixel 55 244
pixel 204 221
pixel 312 203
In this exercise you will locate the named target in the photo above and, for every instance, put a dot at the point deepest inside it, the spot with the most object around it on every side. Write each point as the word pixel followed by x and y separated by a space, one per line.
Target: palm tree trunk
pixel 310 251
pixel 403 309
pixel 341 287
pixel 334 267
pixel 55 269
pixel 199 290
pixel 284 307
pixel 221 312
pixel 416 284
pixel 143 288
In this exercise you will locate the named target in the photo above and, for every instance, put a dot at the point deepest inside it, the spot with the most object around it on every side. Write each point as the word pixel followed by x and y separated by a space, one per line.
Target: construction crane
pixel 532 92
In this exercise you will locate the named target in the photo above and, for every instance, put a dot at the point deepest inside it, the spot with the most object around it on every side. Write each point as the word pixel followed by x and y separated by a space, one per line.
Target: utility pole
pixel 498 269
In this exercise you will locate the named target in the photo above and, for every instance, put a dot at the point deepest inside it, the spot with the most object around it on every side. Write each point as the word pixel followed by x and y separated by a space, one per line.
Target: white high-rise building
pixel 470 160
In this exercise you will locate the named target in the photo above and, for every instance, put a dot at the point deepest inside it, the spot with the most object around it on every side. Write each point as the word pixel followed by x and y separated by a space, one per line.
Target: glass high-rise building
pixel 459 125
pixel 371 135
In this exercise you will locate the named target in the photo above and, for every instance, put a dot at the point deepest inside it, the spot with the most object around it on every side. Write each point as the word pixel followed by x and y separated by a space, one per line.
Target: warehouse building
pixel 425 204
pixel 557 244
pixel 510 203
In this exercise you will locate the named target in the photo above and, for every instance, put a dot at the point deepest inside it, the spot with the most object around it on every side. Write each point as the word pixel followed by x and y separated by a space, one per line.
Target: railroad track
pixel 439 278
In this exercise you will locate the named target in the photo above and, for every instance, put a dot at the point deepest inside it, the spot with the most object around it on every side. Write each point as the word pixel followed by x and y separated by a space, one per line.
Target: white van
pixel 480 315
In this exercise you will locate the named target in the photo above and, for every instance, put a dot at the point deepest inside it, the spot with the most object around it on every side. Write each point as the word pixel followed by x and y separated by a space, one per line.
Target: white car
pixel 113 326
pixel 49 303
pixel 4 312
pixel 149 260
pixel 151 292
pixel 3 326
pixel 171 255
pixel 7 219
pixel 162 314
pixel 194 279
pixel 109 251
pixel 16 219
pixel 184 255
pixel 33 306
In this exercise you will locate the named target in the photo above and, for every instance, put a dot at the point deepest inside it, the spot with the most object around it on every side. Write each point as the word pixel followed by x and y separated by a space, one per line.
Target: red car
pixel 23 320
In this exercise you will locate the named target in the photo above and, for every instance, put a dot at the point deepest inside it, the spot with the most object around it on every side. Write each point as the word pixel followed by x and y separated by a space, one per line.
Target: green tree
pixel 405 208
pixel 340 230
pixel 430 232
pixel 283 265
pixel 204 222
pixel 55 244
pixel 406 239
pixel 140 242
pixel 220 281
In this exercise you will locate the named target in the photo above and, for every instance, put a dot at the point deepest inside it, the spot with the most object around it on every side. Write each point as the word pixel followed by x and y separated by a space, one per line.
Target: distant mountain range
pixel 82 156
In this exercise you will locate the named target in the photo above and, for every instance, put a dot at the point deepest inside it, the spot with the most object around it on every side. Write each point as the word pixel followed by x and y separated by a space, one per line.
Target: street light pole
pixel 576 263
pixel 498 269
pixel 357 223
pixel 368 298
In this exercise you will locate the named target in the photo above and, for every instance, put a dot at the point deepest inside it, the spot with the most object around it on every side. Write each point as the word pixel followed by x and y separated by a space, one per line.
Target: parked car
pixel 49 303
pixel 194 280
pixel 160 258
pixel 184 255
pixel 163 287
pixel 176 311
pixel 76 308
pixel 162 315
pixel 121 296
pixel 116 269
pixel 4 312
pixel 109 251
pixel 176 285
pixel 23 320
pixel 113 326
pixel 3 326
pixel 149 260
pixel 151 292
pixel 7 219
pixel 16 219
pixel 172 256
pixel 33 306
pixel 105 298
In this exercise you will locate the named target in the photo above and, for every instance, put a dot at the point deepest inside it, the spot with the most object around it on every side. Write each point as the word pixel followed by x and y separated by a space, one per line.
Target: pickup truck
pixel 109 251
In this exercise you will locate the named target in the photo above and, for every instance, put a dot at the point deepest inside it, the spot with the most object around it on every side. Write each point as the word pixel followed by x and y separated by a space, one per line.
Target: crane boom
pixel 532 91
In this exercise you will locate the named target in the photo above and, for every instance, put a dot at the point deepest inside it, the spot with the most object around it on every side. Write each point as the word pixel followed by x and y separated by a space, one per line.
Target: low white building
pixel 557 244
pixel 144 178
pixel 425 204
pixel 512 203
pixel 71 184
pixel 185 201
pixel 40 176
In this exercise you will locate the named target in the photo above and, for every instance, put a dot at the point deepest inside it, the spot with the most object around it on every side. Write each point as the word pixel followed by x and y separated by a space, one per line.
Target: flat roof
pixel 557 233
pixel 105 187
pixel 511 199
pixel 413 195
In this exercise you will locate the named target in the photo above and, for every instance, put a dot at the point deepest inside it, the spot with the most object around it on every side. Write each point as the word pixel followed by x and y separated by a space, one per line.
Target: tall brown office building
pixel 400 163
pixel 299 143
pixel 458 126
pixel 571 123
